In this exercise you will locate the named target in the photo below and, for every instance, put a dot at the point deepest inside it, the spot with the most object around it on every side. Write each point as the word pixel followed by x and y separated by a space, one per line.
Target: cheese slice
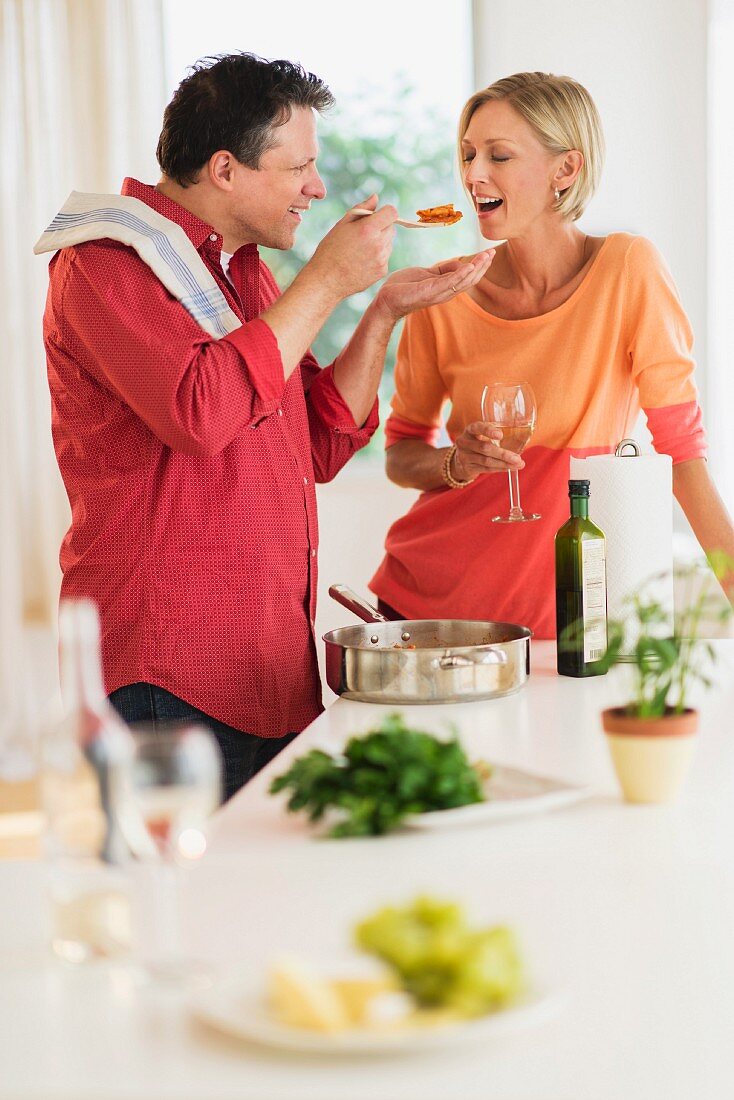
pixel 300 998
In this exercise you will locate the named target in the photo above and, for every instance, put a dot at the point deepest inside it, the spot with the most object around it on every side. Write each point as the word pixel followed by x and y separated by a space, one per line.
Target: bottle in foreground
pixel 85 757
pixel 581 589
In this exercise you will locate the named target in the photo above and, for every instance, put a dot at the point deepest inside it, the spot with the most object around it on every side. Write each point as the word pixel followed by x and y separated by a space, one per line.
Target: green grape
pixel 442 962
pixel 490 973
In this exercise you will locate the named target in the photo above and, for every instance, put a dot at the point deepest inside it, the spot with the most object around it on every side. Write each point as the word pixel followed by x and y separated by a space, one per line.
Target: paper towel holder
pixel 619 449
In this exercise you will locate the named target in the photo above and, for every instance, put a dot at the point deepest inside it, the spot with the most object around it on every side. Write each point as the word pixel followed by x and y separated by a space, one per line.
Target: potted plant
pixel 651 738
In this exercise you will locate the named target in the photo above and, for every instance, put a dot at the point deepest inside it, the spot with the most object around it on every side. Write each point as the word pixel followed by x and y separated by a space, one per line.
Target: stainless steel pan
pixel 423 660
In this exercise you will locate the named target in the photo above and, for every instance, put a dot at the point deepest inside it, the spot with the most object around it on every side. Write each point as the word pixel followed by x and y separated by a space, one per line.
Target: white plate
pixel 511 792
pixel 237 1007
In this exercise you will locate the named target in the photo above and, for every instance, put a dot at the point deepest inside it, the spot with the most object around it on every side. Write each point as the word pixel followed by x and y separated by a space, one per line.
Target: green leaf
pixel 662 664
pixel 384 775
pixel 658 702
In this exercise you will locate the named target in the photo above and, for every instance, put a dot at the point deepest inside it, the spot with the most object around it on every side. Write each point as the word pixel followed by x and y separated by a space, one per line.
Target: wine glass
pixel 175 784
pixel 512 409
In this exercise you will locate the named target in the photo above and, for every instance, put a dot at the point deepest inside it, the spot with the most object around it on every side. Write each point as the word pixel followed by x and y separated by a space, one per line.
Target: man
pixel 190 459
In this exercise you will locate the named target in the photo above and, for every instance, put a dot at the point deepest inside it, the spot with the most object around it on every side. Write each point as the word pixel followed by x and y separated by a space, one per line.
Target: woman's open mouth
pixel 486 204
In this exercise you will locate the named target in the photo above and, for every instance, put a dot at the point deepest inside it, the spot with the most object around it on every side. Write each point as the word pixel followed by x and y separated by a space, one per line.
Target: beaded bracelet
pixel 451 481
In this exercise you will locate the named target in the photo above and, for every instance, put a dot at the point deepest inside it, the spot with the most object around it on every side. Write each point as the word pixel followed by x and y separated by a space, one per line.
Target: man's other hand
pixel 417 287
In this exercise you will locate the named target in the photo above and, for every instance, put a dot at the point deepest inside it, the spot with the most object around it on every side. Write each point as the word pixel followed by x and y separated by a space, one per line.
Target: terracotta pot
pixel 651 756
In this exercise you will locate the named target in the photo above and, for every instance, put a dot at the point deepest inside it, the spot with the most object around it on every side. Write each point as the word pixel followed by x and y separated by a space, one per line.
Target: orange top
pixel 621 342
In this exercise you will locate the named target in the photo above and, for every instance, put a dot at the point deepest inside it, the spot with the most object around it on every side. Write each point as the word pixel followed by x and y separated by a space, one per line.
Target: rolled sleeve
pixel 397 428
pixel 678 431
pixel 332 409
pixel 257 345
pixel 335 435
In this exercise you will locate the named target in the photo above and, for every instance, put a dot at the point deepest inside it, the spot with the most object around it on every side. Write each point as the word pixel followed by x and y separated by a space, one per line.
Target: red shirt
pixel 190 466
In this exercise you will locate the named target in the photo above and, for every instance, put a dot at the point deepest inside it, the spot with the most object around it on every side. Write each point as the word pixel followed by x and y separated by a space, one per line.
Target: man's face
pixel 268 203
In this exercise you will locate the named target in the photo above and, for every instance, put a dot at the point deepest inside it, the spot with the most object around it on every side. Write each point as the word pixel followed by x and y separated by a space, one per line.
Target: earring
pixel 557 193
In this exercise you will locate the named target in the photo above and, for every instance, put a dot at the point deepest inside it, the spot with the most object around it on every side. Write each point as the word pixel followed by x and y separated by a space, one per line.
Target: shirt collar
pixel 198 231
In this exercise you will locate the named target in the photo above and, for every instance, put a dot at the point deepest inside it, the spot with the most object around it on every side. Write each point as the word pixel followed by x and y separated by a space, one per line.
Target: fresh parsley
pixel 383 776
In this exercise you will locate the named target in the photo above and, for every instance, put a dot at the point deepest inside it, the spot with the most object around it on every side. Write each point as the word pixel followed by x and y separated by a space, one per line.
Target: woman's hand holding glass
pixel 512 410
pixel 479 451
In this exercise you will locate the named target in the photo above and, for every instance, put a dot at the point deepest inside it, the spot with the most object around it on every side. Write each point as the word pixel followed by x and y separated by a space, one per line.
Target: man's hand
pixel 356 252
pixel 479 451
pixel 352 256
pixel 417 287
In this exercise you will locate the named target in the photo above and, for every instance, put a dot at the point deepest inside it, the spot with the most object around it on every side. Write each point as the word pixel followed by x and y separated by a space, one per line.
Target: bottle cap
pixel 578 488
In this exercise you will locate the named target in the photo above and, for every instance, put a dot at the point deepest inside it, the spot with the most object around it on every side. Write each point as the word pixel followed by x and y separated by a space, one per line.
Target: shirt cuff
pixel 256 344
pixel 333 411
pixel 678 431
pixel 397 428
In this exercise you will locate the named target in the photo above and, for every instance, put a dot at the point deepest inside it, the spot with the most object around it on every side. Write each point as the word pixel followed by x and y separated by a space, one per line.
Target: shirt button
pixel 212 236
pixel 313 553
pixel 305 481
pixel 280 412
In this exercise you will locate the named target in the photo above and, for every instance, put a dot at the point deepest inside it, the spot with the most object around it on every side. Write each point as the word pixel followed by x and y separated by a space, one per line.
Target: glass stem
pixel 515 509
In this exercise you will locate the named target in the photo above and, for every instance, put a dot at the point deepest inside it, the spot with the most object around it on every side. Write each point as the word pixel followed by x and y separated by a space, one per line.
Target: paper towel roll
pixel 631 499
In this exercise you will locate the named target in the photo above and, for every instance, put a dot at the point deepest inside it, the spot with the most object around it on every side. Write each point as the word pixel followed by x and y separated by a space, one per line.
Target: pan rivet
pixel 374 639
pixel 405 636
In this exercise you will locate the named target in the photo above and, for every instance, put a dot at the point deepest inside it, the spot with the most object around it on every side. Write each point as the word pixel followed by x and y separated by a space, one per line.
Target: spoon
pixel 407 225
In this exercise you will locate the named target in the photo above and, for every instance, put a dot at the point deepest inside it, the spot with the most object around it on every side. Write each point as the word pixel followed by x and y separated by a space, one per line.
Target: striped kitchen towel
pixel 160 243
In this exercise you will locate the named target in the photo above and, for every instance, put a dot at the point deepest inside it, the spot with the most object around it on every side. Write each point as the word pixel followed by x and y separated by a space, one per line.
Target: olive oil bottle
pixel 581 589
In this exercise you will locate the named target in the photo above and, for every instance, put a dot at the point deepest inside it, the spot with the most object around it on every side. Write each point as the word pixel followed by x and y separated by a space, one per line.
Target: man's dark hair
pixel 234 102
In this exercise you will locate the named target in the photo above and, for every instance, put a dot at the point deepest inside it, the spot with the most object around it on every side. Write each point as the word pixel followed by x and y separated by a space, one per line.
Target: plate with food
pixel 508 792
pixel 395 775
pixel 434 981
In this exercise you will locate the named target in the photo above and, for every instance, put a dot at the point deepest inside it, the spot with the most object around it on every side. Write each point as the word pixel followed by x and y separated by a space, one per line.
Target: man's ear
pixel 221 168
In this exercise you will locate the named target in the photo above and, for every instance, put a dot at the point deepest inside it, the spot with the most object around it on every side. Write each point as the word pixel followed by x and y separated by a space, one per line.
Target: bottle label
pixel 594 592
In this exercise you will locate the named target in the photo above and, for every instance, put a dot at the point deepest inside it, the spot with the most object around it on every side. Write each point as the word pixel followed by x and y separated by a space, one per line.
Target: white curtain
pixel 82 91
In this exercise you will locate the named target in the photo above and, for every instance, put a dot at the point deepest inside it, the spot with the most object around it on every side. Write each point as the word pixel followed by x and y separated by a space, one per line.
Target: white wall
pixel 645 64
pixel 721 246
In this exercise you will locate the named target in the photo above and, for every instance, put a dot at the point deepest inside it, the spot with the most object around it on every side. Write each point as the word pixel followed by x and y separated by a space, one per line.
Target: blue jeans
pixel 243 754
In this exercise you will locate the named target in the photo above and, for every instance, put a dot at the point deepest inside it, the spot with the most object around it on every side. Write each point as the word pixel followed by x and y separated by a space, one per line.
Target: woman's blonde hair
pixel 563 115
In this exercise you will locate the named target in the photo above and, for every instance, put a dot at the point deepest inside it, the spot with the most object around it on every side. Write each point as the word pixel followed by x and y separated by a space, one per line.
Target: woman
pixel 594 324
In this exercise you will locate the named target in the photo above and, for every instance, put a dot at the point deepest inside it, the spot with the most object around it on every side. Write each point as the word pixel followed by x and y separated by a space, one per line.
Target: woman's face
pixel 504 162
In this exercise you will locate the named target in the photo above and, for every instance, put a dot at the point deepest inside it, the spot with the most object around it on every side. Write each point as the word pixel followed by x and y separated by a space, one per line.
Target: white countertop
pixel 629 911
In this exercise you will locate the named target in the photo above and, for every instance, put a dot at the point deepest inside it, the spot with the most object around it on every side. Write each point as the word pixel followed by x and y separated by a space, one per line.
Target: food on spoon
pixel 440 215
pixel 381 778
pixel 442 962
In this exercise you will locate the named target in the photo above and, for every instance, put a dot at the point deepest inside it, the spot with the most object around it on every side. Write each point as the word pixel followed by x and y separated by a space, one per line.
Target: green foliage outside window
pixel 410 162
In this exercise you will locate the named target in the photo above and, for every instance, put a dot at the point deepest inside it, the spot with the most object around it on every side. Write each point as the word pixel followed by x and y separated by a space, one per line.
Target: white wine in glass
pixel 175 784
pixel 513 410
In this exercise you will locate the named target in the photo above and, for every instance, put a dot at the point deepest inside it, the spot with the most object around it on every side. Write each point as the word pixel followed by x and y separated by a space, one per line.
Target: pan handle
pixel 460 660
pixel 349 599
